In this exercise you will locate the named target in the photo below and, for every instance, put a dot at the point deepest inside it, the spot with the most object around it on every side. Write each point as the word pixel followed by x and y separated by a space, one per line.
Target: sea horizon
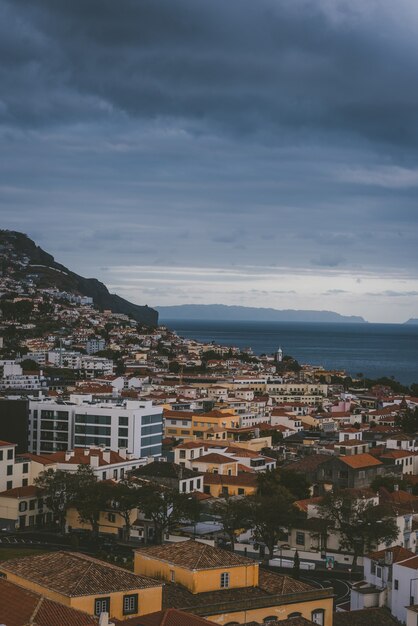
pixel 374 349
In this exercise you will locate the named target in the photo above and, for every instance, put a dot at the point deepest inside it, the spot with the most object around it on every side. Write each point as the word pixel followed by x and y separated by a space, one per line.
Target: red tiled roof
pixel 398 554
pixel 168 617
pixel 19 606
pixel 75 574
pixel 358 461
pixel 3 444
pixel 21 492
pixel 214 457
pixel 194 555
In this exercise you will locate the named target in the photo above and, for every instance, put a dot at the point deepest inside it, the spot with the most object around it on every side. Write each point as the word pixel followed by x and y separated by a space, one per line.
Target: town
pixel 149 479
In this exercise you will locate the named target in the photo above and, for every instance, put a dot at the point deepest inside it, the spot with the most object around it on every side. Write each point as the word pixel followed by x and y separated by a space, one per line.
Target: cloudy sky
pixel 246 152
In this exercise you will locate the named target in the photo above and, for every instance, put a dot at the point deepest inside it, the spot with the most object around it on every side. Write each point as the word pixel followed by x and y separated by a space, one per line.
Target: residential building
pixel 86 584
pixel 81 422
pixel 227 588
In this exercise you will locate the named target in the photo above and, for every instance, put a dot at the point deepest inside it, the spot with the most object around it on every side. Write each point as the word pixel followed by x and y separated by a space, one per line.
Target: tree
pixel 124 500
pixel 58 492
pixel 272 516
pixel 295 483
pixel 90 497
pixel 165 507
pixel 296 566
pixel 234 515
pixel 361 524
pixel 388 482
pixel 29 365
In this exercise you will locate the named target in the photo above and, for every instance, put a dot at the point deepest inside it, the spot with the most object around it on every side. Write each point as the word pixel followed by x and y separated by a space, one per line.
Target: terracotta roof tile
pixel 75 574
pixel 19 606
pixel 194 555
pixel 358 461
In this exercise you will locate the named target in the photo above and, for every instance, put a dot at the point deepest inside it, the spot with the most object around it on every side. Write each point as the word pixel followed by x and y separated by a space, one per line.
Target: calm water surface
pixel 373 349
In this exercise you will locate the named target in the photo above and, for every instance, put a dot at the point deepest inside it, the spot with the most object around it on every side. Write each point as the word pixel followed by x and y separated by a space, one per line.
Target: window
pixel 396 584
pixel 130 604
pixel 269 619
pixel 296 614
pixel 115 474
pixel 104 475
pixel 32 505
pixel 123 432
pixel 10 454
pixel 198 483
pixel 1 455
pixel 9 470
pixel 379 572
pixel 182 454
pixel 373 567
pixel 111 517
pixel 224 580
pixel 24 482
pixel 300 538
pixel 25 468
pixel 241 491
pixel 23 506
pixel 318 616
pixel 122 443
pixel 101 605
pixel 9 484
pixel 123 420
pixel 172 576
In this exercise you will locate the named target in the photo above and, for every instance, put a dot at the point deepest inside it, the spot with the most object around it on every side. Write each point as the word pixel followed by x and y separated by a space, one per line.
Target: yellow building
pixel 110 522
pixel 227 588
pixel 81 582
pixel 190 425
pixel 218 485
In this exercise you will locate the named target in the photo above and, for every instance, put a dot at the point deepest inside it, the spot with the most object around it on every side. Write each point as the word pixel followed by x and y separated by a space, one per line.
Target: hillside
pixel 21 251
pixel 412 320
pixel 241 313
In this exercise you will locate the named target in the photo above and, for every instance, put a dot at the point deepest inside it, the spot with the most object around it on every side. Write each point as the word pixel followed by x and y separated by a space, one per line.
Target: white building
pixel 81 422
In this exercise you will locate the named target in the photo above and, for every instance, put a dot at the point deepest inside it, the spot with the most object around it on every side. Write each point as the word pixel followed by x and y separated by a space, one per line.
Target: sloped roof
pixel 74 574
pixel 21 607
pixel 167 617
pixel 398 554
pixel 358 461
pixel 165 469
pixel 194 555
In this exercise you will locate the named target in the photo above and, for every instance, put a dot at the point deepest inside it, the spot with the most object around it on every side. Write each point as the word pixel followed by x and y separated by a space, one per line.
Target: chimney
pixel 86 451
pixel 69 455
pixel 123 452
pixel 106 456
pixel 104 619
pixel 395 487
pixel 94 460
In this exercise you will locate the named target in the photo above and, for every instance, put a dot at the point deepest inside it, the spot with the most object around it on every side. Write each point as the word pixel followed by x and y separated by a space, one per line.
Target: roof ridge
pixel 201 553
pixel 36 610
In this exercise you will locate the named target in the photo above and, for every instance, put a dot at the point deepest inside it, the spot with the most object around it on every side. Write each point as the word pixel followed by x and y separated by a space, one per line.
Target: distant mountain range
pixel 224 312
pixel 412 320
pixel 53 274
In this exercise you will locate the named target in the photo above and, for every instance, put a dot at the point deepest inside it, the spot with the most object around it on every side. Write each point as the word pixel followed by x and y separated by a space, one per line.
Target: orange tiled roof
pixel 358 461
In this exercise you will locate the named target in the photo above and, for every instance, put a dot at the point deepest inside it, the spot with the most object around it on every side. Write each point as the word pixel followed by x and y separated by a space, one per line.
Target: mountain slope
pixel 242 313
pixel 53 274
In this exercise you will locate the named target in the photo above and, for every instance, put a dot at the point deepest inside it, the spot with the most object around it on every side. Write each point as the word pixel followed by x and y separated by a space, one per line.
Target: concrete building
pixel 81 422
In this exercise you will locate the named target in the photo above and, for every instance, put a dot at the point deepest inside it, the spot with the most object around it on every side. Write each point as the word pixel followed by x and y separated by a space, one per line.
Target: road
pixel 341 587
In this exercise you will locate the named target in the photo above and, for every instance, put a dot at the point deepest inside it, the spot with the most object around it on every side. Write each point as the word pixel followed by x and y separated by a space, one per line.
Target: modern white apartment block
pixel 81 422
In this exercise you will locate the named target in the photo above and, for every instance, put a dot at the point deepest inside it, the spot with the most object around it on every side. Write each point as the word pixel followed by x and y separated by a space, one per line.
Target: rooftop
pixel 358 461
pixel 194 555
pixel 19 606
pixel 74 574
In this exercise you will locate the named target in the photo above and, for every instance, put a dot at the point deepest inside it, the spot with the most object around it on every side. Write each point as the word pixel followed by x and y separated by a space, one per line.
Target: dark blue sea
pixel 373 349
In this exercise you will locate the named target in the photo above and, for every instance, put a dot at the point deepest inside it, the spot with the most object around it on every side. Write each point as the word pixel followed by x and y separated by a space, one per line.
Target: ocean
pixel 373 349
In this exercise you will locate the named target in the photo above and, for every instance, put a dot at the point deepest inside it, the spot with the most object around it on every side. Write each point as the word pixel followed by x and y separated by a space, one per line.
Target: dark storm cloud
pixel 248 67
pixel 205 133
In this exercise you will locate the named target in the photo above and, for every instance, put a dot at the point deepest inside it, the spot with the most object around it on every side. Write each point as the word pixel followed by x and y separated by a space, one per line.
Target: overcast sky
pixel 255 152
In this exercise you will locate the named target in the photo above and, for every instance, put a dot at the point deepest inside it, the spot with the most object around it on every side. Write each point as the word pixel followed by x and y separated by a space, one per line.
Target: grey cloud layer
pixel 174 132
